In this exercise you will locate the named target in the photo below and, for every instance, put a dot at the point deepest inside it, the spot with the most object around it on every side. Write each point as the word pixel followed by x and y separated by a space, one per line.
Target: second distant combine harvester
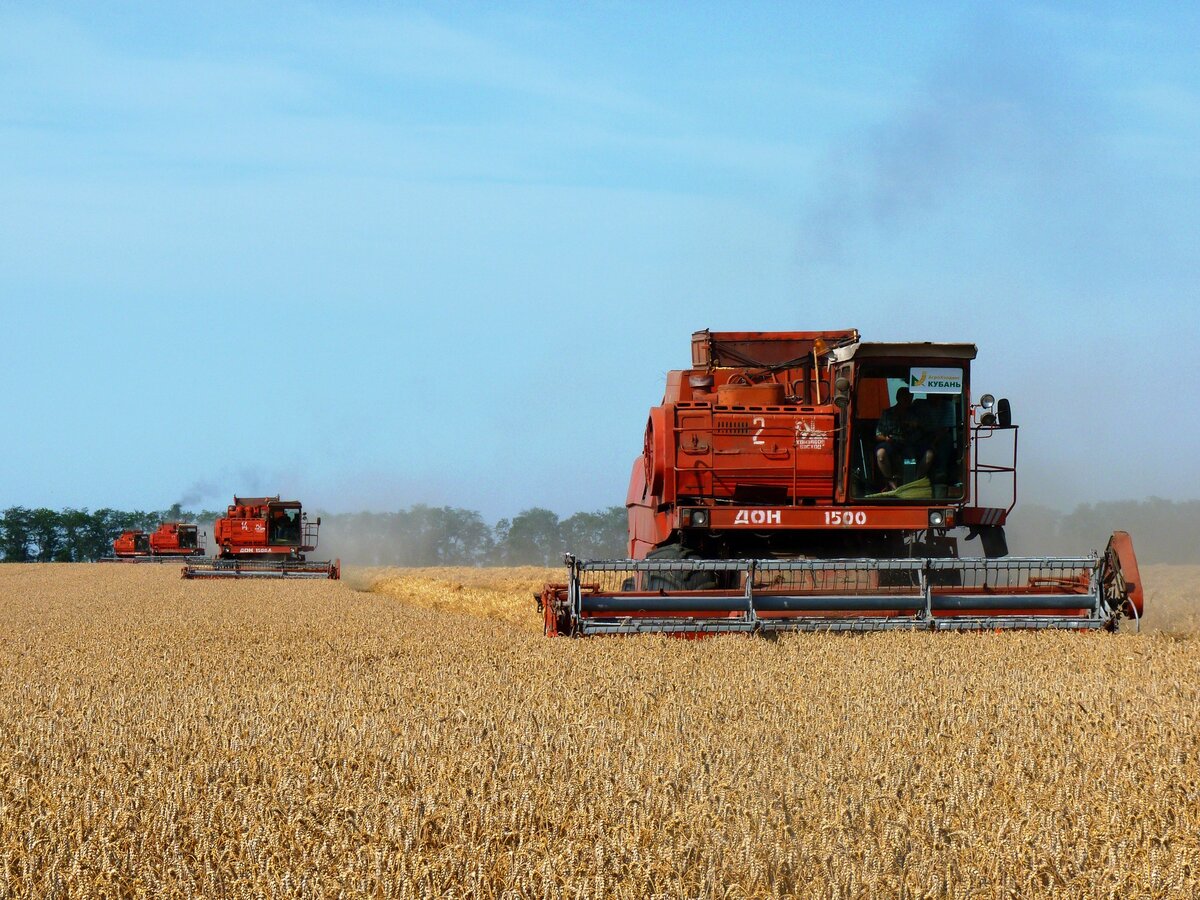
pixel 264 537
pixel 814 481
pixel 170 542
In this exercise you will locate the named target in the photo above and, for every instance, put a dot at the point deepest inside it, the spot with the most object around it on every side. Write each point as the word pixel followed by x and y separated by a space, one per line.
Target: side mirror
pixel 1004 412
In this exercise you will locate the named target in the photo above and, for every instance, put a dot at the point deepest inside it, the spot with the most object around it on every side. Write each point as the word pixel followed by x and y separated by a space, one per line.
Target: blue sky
pixel 374 255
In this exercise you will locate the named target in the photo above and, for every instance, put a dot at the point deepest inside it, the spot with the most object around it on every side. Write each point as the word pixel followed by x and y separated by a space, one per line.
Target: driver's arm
pixel 885 430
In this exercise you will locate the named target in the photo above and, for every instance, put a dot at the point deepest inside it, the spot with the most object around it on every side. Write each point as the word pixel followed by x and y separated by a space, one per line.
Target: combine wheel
pixel 678 581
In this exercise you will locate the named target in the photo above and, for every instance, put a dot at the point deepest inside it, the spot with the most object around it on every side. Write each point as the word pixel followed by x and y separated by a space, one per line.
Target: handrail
pixel 980 433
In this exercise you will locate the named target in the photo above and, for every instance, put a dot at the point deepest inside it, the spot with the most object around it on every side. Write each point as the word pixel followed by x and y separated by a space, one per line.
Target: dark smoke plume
pixel 1003 105
pixel 198 491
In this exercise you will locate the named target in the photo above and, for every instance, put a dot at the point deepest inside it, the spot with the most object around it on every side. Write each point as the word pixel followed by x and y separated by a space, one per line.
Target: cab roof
pixel 905 350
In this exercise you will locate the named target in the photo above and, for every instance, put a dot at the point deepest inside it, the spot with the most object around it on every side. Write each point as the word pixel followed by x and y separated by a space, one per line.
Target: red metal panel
pixel 1123 566
pixel 648 527
pixel 983 515
pixel 822 518
pixel 241 531
pixel 659 452
pixel 165 538
pixel 719 451
pixel 244 529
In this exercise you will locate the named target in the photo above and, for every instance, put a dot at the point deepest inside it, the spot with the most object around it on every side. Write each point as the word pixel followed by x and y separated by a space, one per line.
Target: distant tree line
pixel 448 536
pixel 1163 531
pixel 417 536
pixel 76 535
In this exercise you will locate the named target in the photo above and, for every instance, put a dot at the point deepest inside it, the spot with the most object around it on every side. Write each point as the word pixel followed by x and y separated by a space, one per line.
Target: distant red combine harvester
pixel 171 541
pixel 264 537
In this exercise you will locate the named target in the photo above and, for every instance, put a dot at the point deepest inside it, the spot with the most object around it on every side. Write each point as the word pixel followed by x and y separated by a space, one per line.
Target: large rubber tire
pixel 995 544
pixel 678 581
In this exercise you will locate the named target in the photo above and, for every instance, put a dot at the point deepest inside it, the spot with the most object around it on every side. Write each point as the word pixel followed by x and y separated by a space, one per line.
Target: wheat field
pixel 412 734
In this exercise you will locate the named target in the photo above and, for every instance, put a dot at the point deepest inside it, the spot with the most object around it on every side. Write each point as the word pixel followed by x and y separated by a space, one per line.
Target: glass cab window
pixel 285 526
pixel 907 441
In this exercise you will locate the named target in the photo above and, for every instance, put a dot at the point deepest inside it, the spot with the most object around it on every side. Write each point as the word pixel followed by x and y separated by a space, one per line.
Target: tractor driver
pixel 278 533
pixel 900 434
pixel 285 526
pixel 293 525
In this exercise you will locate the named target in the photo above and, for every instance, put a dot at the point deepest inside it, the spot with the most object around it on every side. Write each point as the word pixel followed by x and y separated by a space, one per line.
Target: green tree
pixel 45 529
pixel 597 535
pixel 101 529
pixel 74 523
pixel 16 534
pixel 466 538
pixel 533 537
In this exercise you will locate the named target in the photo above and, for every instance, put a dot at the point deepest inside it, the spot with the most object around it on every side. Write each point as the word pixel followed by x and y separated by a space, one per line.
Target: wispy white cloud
pixel 419 46
pixel 399 93
pixel 56 72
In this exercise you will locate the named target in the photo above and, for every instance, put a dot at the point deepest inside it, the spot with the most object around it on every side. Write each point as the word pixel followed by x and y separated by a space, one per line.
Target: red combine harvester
pixel 264 537
pixel 171 541
pixel 799 481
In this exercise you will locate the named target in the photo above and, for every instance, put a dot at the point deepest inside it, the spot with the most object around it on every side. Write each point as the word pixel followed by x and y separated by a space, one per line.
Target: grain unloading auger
pixel 800 481
pixel 264 537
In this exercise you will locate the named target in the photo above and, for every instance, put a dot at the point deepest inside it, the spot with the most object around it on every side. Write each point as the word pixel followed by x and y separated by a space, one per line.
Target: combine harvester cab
pixel 264 537
pixel 800 481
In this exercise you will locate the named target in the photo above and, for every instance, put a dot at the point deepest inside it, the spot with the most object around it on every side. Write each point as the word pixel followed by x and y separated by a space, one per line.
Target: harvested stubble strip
pixel 505 595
